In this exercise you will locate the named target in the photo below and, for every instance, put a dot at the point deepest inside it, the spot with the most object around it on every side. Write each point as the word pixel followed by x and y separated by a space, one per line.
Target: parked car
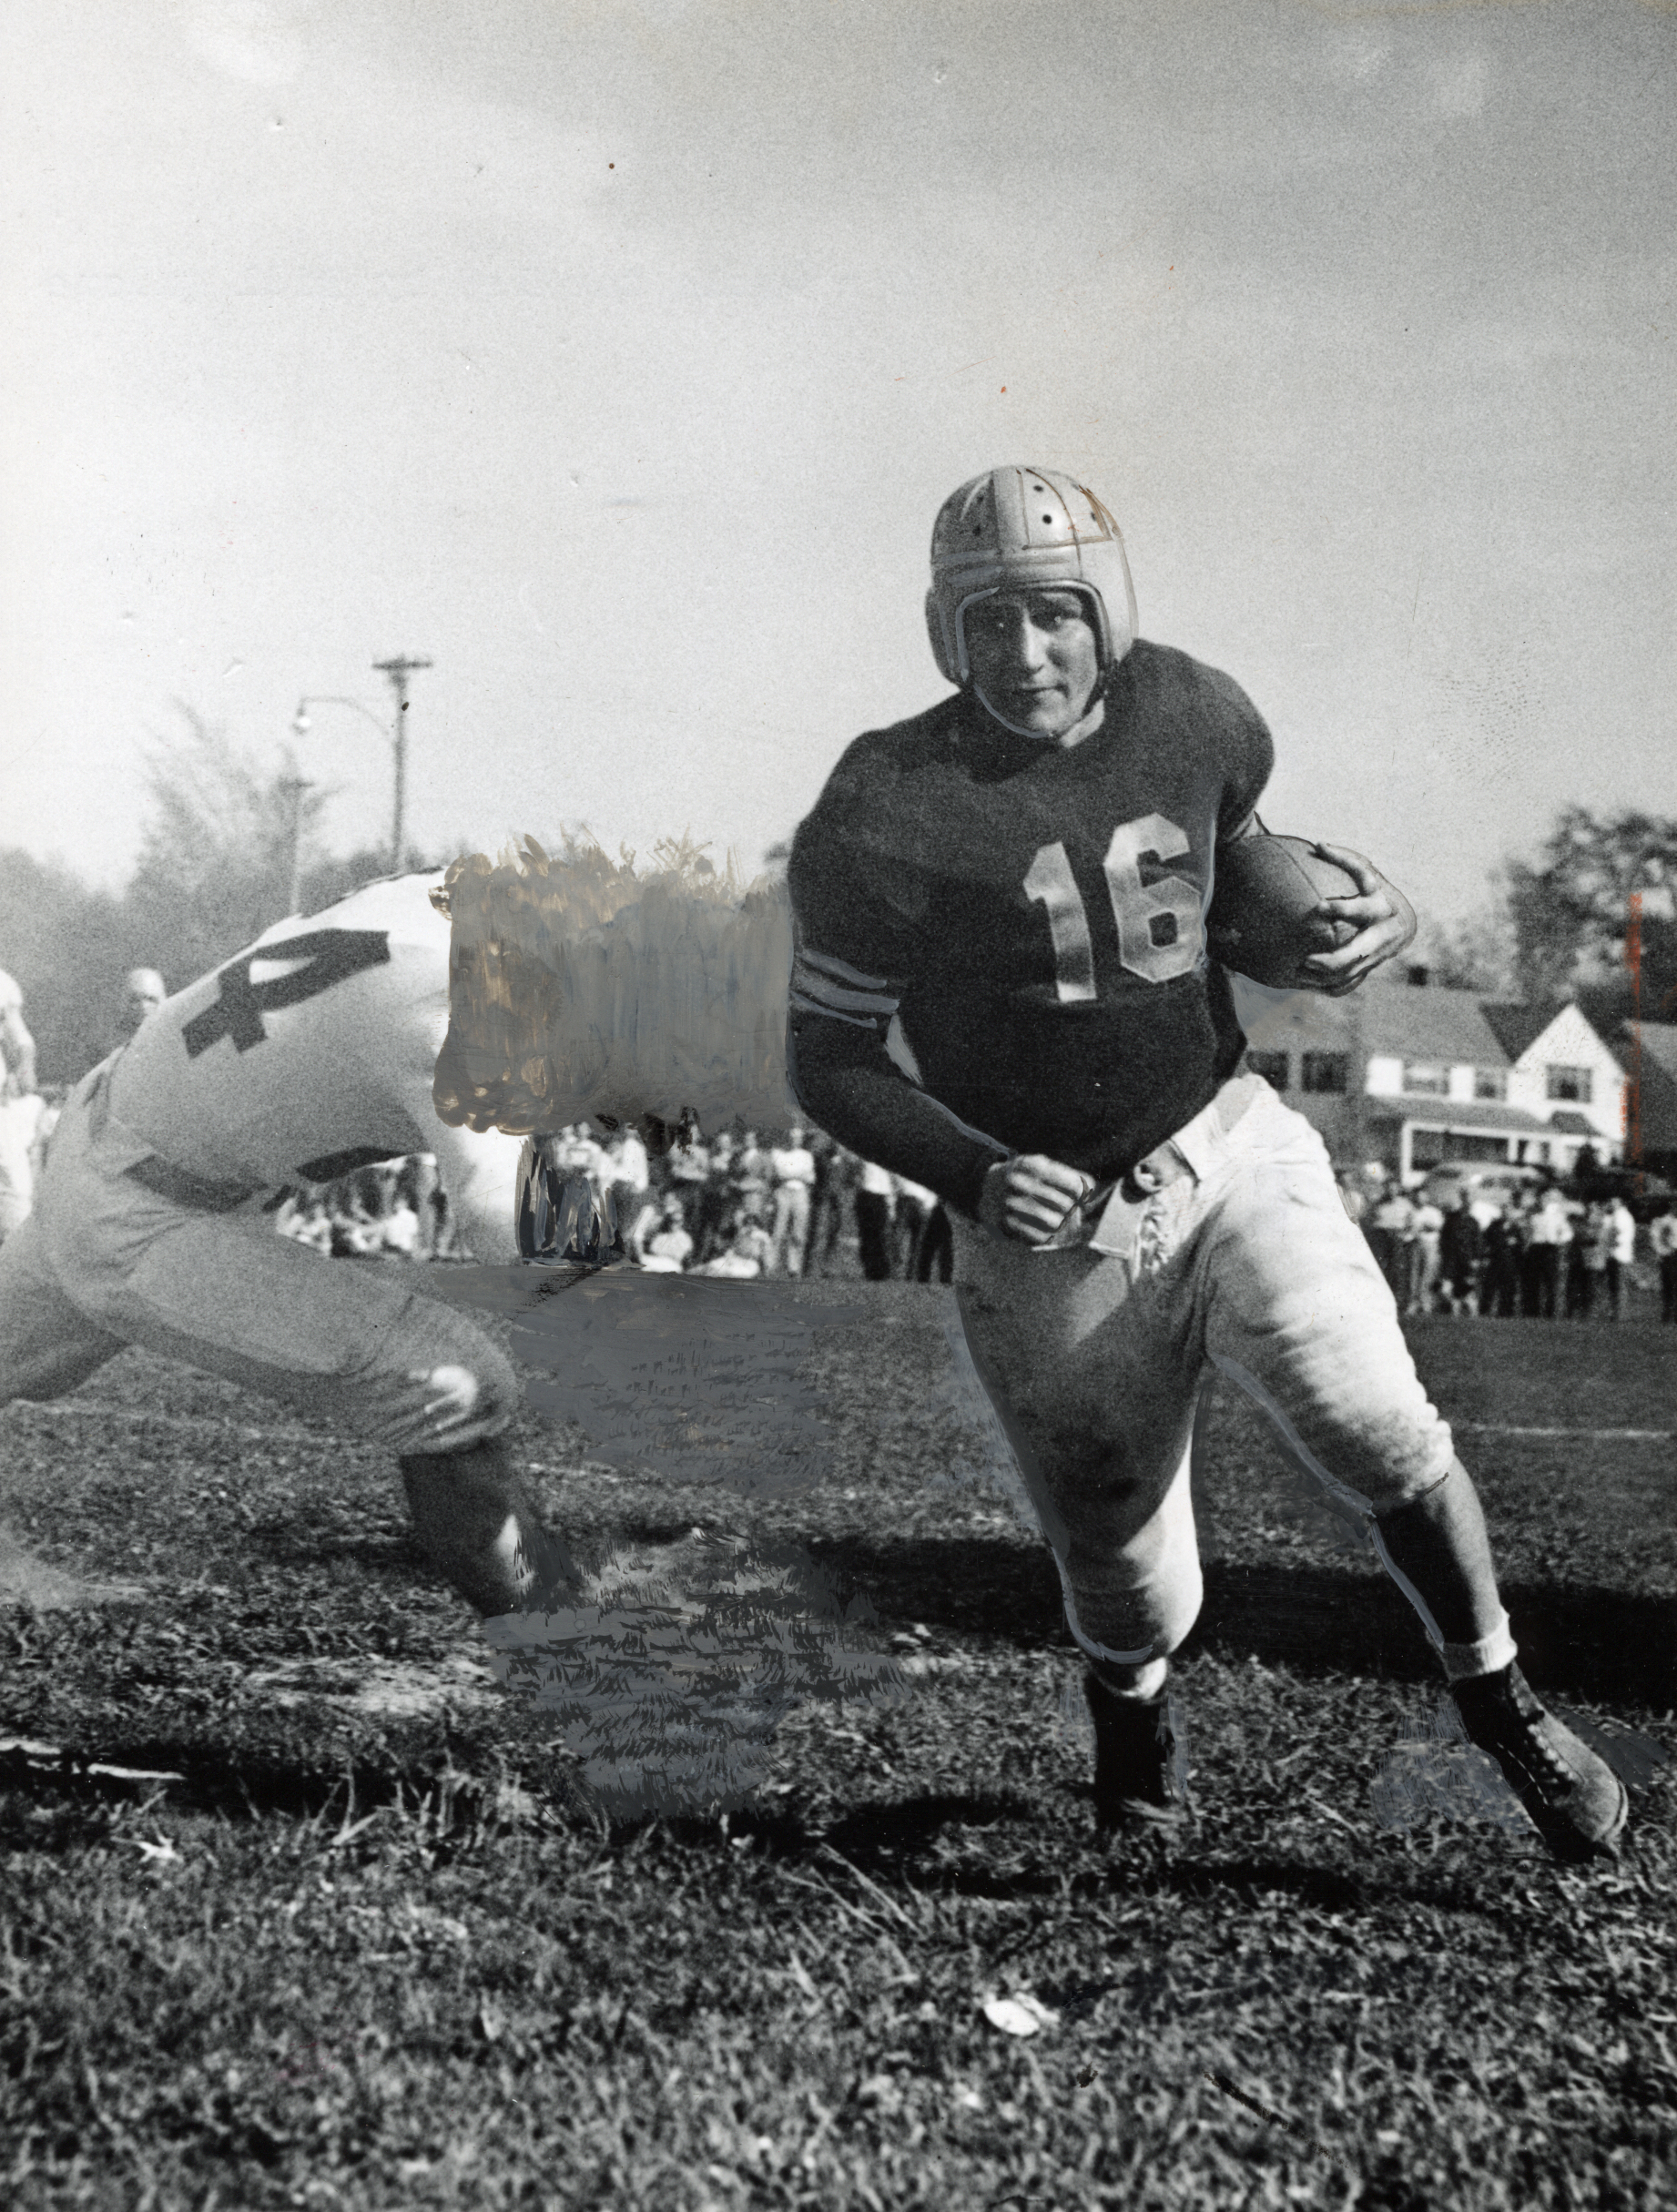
pixel 1646 1194
pixel 1489 1184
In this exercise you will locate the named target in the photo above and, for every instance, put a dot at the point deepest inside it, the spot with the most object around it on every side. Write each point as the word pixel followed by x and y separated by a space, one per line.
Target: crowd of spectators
pixel 1538 1252
pixel 396 1206
pixel 732 1205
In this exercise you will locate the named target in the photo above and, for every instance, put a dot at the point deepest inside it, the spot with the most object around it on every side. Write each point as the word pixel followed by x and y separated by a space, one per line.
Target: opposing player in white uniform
pixel 1003 991
pixel 309 1055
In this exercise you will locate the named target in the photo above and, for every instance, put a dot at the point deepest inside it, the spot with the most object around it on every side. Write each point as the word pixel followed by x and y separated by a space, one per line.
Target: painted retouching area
pixel 702 1382
pixel 582 989
pixel 579 987
pixel 667 1676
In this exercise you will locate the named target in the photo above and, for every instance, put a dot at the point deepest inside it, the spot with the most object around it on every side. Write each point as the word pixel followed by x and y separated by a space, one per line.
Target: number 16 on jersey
pixel 1160 932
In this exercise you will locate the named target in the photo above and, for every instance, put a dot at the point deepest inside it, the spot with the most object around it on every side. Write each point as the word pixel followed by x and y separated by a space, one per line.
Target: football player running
pixel 1003 990
pixel 307 1056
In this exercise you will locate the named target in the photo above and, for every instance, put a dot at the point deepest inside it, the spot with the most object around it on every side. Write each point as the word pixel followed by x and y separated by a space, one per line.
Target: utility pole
pixel 295 788
pixel 399 670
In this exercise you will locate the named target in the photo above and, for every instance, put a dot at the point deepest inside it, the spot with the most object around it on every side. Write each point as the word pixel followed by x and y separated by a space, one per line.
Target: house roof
pixel 1429 1022
pixel 1573 1124
pixel 1658 1040
pixel 1425 1021
pixel 1516 1028
pixel 1656 1114
pixel 1488 1115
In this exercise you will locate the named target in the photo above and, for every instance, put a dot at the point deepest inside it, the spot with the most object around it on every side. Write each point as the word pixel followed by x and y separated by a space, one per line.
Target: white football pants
pixel 1250 1267
pixel 103 1263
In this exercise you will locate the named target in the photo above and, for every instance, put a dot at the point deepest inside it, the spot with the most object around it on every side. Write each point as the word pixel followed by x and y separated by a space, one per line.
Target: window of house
pixel 1326 1071
pixel 1270 1066
pixel 1470 1144
pixel 1427 1148
pixel 1491 1084
pixel 1573 1084
pixel 1430 1077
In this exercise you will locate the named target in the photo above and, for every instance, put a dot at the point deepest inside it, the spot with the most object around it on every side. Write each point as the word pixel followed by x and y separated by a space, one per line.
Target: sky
pixel 616 356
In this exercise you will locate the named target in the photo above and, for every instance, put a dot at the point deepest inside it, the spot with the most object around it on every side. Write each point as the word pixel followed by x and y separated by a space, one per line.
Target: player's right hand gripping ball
pixel 1263 921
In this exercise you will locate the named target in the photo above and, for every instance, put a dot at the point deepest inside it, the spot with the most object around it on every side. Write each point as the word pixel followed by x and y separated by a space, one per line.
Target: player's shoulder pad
pixel 402 904
pixel 836 847
pixel 1186 681
pixel 880 758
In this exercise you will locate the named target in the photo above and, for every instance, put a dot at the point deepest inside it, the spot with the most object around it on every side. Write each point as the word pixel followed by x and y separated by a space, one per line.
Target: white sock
pixel 1491 1655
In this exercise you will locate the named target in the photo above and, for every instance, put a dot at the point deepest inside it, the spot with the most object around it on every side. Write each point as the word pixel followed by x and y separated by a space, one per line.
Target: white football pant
pixel 1249 1266
pixel 103 1263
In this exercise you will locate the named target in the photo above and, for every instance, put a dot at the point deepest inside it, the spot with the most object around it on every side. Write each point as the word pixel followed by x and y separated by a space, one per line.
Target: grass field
pixel 370 1947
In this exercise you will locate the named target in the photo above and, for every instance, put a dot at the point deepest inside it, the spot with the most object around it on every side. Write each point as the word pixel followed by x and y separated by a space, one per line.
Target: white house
pixel 1408 1073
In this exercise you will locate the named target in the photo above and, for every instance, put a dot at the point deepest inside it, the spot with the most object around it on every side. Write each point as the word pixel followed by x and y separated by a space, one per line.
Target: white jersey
pixel 312 1054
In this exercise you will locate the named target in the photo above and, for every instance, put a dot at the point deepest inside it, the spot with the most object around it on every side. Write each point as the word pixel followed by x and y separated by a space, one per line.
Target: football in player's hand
pixel 1263 921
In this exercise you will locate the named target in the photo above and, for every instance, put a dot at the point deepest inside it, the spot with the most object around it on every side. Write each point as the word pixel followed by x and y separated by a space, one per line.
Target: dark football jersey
pixel 1035 915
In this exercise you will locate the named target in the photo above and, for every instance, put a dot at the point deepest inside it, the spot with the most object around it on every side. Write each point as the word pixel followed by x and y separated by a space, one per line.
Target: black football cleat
pixel 1576 1801
pixel 1139 1764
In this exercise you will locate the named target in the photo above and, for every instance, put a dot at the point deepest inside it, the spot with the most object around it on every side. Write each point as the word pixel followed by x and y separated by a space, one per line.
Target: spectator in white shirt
pixel 626 1163
pixel 688 1172
pixel 791 1167
pixel 659 1242
pixel 1548 1235
pixel 16 1045
pixel 1390 1231
pixel 1587 1262
pixel 144 994
pixel 1427 1227
pixel 1621 1228
pixel 20 1129
pixel 750 1179
pixel 1663 1238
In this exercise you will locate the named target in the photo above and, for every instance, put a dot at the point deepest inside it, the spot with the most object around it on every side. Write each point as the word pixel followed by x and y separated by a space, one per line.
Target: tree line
pixel 1593 917
pixel 214 871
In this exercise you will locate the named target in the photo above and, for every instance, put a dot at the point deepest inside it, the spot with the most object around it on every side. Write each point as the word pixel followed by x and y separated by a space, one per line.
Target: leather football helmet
pixel 1020 527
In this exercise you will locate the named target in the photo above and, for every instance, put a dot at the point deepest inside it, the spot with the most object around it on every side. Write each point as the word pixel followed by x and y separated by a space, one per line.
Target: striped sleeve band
pixel 822 985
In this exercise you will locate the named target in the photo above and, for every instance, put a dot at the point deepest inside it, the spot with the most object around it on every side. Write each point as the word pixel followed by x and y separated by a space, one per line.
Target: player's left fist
pixel 1031 1199
pixel 1382 916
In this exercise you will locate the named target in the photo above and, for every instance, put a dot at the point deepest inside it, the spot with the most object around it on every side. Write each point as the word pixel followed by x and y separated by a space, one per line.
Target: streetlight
pixel 398 670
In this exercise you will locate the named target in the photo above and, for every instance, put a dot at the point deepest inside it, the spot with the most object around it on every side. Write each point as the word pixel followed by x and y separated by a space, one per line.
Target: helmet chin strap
pixel 1091 719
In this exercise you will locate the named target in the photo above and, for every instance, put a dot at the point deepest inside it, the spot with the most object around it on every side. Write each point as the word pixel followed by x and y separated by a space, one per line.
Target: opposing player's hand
pixel 1383 918
pixel 1032 1198
pixel 450 1403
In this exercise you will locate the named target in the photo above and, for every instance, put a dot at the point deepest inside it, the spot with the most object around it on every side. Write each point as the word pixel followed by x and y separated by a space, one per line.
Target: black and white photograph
pixel 838 1114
